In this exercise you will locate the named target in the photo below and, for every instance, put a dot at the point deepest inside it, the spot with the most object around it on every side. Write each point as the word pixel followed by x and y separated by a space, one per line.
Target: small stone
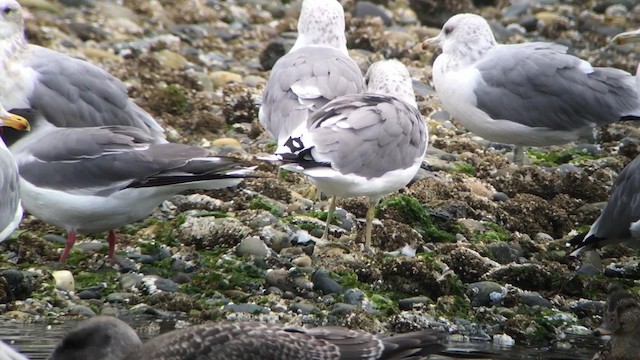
pixel 533 298
pixel 342 308
pixel 413 302
pixel 542 237
pixel 499 196
pixel 166 285
pixel 304 308
pixel 485 293
pixel 253 246
pixel 354 296
pixel 302 261
pixel 81 310
pixel 222 78
pixel 98 55
pixel 322 281
pixel 246 308
pixel 64 280
pixel 130 280
pixel 120 297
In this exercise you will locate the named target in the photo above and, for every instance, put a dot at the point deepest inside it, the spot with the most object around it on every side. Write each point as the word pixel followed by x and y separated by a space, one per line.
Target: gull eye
pixel 447 30
pixel 8 10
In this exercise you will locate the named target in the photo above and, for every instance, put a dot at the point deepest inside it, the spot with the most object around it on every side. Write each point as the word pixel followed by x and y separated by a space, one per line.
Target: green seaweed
pixel 460 167
pixel 417 217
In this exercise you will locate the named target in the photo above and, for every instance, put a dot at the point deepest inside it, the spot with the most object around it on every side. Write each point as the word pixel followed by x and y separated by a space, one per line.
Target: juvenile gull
pixel 532 94
pixel 620 219
pixel 10 208
pixel 69 92
pixel 95 179
pixel 316 70
pixel 115 340
pixel 368 144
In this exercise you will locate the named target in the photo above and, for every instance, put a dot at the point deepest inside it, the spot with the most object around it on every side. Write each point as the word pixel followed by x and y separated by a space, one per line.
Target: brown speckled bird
pixel 111 339
pixel 621 320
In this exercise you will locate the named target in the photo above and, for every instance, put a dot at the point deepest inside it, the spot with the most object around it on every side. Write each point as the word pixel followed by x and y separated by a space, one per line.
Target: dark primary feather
pixel 540 75
pixel 383 134
pixel 621 210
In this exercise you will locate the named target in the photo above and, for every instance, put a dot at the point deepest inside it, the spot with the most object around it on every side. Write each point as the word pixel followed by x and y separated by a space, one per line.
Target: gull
pixel 532 94
pixel 105 337
pixel 620 218
pixel 96 179
pixel 368 144
pixel 316 70
pixel 10 208
pixel 69 92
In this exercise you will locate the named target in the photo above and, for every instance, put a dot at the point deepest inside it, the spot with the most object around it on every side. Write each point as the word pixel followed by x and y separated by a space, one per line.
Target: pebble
pixel 322 281
pixel 253 246
pixel 485 293
pixel 64 280
pixel 413 302
pixel 354 296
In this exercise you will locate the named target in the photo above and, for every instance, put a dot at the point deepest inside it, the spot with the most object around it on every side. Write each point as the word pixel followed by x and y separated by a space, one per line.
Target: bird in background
pixel 531 94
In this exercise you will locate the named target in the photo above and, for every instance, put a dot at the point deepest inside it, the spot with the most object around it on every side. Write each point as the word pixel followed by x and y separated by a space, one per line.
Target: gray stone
pixel 246 308
pixel 253 246
pixel 81 310
pixel 533 298
pixel 322 281
pixel 413 302
pixel 354 296
pixel 342 308
pixel 304 308
pixel 485 293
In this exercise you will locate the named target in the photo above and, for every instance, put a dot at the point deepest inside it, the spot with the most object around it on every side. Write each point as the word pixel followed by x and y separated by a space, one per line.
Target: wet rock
pixel 81 310
pixel 485 293
pixel 276 49
pixel 435 13
pixel 304 308
pixel 354 296
pixel 322 281
pixel 533 298
pixel 505 253
pixel 468 264
pixel 18 285
pixel 368 9
pixel 342 308
pixel 526 276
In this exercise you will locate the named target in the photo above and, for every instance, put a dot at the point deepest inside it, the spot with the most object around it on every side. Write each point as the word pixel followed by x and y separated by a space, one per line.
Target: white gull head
pixel 464 38
pixel 321 22
pixel 391 77
pixel 11 23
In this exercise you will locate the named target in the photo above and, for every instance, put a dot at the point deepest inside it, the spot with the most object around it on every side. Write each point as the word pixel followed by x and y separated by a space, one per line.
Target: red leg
pixel 71 239
pixel 111 239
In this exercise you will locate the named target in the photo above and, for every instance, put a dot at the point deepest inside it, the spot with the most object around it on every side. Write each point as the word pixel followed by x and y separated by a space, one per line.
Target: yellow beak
pixel 15 121
pixel 626 38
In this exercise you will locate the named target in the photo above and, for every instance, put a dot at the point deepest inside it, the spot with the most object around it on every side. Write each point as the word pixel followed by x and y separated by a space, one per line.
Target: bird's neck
pixel 12 46
pixel 463 55
pixel 337 41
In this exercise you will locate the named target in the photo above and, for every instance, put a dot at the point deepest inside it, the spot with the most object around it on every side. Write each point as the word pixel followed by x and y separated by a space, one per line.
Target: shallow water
pixel 37 340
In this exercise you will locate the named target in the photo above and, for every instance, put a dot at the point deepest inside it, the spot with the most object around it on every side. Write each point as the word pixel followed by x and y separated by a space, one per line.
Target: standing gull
pixel 316 70
pixel 620 219
pixel 69 92
pixel 10 209
pixel 532 94
pixel 95 179
pixel 115 340
pixel 367 144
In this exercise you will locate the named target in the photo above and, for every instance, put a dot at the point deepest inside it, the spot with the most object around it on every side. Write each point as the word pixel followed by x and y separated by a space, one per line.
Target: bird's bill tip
pixel 15 121
pixel 628 37
pixel 431 43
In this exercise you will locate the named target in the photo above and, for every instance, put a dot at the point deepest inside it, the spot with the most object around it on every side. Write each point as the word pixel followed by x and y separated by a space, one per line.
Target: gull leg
pixel 518 155
pixel 332 208
pixel 111 239
pixel 369 225
pixel 71 239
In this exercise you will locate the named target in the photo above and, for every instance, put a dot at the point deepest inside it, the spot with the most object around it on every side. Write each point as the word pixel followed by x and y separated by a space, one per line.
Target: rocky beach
pixel 474 245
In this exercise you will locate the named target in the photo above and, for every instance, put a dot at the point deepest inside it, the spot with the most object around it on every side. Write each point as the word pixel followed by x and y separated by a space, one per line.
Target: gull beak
pixel 607 327
pixel 14 121
pixel 432 43
pixel 628 37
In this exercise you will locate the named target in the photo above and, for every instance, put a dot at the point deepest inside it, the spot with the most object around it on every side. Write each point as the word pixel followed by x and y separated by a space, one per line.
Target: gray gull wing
pixel 70 92
pixel 363 134
pixel 303 81
pixel 518 80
